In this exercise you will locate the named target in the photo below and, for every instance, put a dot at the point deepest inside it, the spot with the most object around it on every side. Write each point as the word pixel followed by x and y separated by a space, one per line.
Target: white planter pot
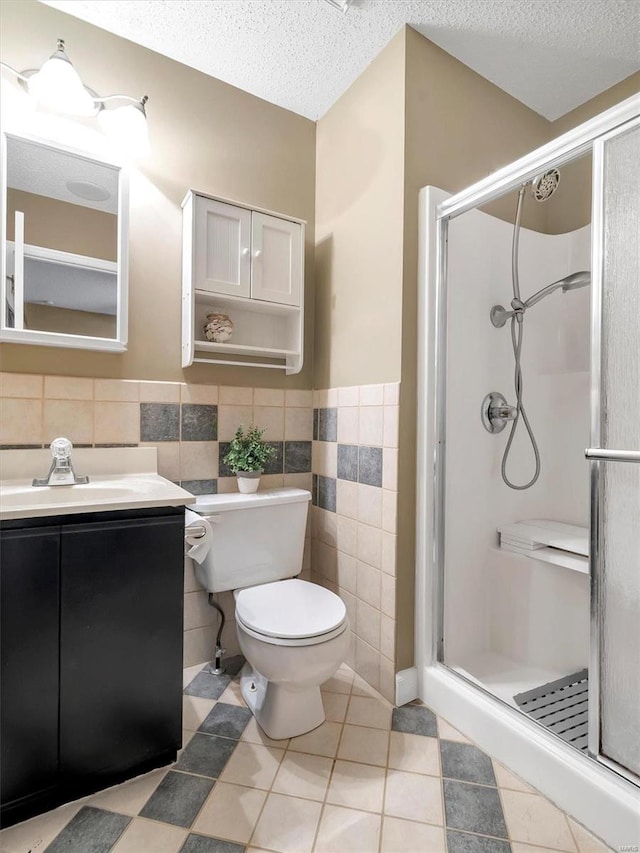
pixel 248 481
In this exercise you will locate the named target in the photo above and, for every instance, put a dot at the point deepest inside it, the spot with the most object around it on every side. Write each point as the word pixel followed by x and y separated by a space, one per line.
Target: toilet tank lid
pixel 271 497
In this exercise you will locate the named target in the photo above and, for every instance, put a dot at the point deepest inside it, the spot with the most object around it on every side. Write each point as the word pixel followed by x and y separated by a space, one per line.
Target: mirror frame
pixel 9 334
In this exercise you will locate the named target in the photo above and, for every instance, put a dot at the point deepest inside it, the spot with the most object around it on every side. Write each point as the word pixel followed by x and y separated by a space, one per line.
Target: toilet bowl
pixel 293 634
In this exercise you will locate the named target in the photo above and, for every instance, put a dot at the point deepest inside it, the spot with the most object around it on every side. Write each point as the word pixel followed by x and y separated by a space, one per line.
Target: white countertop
pixel 119 478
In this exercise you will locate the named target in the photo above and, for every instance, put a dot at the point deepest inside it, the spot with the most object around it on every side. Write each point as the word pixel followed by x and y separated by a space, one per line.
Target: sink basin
pixel 104 491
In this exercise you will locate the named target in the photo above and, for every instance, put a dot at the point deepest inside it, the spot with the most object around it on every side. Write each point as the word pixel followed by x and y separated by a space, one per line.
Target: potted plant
pixel 247 455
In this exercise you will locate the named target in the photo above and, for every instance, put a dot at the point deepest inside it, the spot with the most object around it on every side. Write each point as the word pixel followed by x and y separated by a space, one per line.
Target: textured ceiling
pixel 303 54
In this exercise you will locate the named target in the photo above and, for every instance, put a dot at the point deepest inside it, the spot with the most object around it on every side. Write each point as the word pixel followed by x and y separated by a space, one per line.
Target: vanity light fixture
pixel 57 86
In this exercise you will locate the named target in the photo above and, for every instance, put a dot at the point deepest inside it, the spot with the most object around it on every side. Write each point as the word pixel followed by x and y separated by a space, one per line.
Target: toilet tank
pixel 257 538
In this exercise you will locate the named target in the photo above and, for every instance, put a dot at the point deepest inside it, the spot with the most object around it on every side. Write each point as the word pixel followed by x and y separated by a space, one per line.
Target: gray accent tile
pixel 159 422
pixel 200 487
pixel 91 830
pixel 327 424
pixel 315 425
pixel 370 466
pixel 473 808
pixel 327 493
pixel 206 755
pixel 314 490
pixel 348 462
pixel 415 720
pixel 202 844
pixel 23 446
pixel 276 464
pixel 177 799
pixel 199 423
pixel 113 444
pixel 226 720
pixel 297 457
pixel 224 470
pixel 461 842
pixel 207 686
pixel 465 762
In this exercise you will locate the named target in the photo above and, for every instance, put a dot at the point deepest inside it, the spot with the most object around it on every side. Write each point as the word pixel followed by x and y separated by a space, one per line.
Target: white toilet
pixel 294 634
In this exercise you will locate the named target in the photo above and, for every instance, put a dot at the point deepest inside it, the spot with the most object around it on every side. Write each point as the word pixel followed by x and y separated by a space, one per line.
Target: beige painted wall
pixel 50 318
pixel 205 135
pixel 359 198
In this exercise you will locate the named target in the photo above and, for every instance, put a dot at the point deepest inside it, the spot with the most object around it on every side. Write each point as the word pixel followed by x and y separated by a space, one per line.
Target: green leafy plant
pixel 248 451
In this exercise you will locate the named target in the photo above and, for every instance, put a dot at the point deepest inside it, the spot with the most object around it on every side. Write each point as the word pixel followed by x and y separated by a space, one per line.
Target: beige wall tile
pixel 68 388
pixel 116 423
pixel 351 603
pixel 232 395
pixel 70 418
pixel 21 421
pixel 271 420
pixel 160 392
pixel 388 637
pixel 389 510
pixel 371 395
pixel 371 429
pixel 387 684
pixel 388 557
pixel 298 424
pixel 190 581
pixel 347 498
pixel 298 398
pixel 346 572
pixel 368 584
pixel 392 394
pixel 227 485
pixel 326 527
pixel 199 645
pixel 370 505
pixel 268 397
pixel 117 390
pixel 349 396
pixel 231 417
pixel 348 421
pixel 168 453
pixel 299 481
pixel 21 385
pixel 198 460
pixel 198 612
pixel 200 395
pixel 324 458
pixel 347 535
pixel 367 662
pixel 390 469
pixel 391 421
pixel 368 624
pixel 388 596
pixel 271 481
pixel 369 545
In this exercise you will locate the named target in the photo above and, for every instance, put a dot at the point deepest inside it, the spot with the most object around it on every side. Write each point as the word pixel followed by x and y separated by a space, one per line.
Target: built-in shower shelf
pixel 565 545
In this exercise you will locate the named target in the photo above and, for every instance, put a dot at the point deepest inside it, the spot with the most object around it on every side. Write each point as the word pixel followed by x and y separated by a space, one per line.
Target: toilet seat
pixel 291 613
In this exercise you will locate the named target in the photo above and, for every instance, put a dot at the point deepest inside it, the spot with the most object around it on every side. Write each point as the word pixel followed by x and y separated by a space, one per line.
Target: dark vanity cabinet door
pixel 121 617
pixel 29 631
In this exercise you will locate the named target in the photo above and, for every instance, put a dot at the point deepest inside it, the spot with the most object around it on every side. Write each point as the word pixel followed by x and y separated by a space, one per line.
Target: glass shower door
pixel 615 453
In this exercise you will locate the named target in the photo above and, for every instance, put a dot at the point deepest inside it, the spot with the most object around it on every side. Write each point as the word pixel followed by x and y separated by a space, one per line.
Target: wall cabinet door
pixel 29 629
pixel 222 261
pixel 121 643
pixel 276 271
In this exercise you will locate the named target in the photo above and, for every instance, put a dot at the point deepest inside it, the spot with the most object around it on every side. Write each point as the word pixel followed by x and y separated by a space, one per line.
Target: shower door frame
pixel 436 210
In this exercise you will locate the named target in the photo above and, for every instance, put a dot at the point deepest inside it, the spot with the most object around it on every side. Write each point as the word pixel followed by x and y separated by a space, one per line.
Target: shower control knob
pixel 495 412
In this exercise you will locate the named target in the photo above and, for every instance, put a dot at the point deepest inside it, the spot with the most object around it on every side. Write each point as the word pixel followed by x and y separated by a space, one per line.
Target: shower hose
pixel 517 330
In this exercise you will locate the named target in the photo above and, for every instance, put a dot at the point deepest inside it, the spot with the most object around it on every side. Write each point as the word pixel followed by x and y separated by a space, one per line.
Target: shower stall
pixel 528 538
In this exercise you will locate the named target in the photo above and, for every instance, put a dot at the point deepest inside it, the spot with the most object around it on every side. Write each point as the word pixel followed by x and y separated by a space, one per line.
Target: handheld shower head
pixel 499 315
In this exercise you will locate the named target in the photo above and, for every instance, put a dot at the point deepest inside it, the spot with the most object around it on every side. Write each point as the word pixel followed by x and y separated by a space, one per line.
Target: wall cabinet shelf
pixel 249 264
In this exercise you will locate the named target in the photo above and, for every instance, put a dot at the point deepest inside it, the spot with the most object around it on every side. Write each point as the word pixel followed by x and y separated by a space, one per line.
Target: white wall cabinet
pixel 249 264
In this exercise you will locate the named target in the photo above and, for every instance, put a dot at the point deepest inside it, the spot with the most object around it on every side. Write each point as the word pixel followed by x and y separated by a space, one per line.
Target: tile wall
pixel 190 425
pixel 353 525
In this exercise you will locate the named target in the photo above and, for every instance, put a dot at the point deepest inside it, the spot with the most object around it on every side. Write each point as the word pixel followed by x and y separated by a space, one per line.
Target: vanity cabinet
pixel 92 621
pixel 249 264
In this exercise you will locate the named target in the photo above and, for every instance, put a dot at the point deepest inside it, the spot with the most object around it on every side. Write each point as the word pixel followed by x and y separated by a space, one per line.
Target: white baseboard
pixel 406 686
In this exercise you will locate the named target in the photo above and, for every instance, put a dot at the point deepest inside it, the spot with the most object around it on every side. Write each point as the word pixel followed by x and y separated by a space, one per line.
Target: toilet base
pixel 281 713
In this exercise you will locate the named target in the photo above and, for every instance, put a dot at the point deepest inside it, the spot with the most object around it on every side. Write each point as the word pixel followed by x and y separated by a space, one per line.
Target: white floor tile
pixel 414 753
pixel 252 765
pixel 406 836
pixel 413 797
pixel 347 829
pixel 287 824
pixel 367 746
pixel 532 819
pixel 150 836
pixel 321 741
pixel 131 796
pixel 357 786
pixel 230 812
pixel 302 775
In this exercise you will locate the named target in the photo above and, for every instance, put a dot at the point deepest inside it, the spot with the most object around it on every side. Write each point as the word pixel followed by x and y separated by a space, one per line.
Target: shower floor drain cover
pixel 561 706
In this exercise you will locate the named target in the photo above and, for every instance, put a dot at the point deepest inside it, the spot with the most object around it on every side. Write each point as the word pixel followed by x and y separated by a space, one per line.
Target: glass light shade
pixel 127 128
pixel 57 86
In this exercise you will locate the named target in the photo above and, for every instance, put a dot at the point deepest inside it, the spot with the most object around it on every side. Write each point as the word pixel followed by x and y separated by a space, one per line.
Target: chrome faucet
pixel 61 472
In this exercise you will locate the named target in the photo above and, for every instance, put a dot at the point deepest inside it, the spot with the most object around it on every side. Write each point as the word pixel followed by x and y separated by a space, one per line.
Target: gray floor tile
pixel 466 762
pixel 207 686
pixel 202 844
pixel 90 831
pixel 206 755
pixel 226 720
pixel 462 842
pixel 415 720
pixel 177 799
pixel 473 808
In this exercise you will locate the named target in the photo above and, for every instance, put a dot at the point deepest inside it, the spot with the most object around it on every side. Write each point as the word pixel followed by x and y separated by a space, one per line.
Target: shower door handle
pixel 600 454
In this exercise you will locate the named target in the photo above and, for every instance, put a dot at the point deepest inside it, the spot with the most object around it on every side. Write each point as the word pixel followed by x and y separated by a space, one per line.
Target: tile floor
pixel 371 779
